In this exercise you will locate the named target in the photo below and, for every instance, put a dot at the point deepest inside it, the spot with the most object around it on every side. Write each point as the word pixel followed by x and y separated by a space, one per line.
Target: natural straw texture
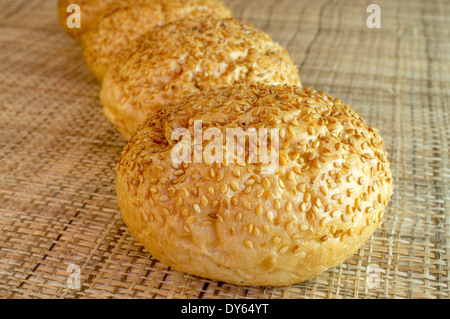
pixel 58 153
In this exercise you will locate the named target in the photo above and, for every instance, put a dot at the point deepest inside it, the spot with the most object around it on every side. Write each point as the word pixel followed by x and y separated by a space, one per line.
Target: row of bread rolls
pixel 148 53
pixel 166 64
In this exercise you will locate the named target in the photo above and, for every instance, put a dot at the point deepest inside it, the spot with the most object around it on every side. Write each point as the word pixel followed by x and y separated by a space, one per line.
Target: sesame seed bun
pixel 126 20
pixel 231 222
pixel 90 11
pixel 186 57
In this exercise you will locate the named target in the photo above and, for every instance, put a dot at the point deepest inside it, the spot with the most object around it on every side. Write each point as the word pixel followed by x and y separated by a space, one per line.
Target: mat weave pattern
pixel 58 152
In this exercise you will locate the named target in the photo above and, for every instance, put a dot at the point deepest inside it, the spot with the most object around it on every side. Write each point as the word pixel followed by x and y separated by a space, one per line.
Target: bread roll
pixel 233 222
pixel 90 11
pixel 185 57
pixel 126 20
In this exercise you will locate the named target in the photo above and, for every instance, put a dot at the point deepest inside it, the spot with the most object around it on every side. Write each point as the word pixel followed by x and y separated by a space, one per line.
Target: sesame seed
pixel 304 227
pixel 248 244
pixel 197 208
pixel 283 249
pixel 246 204
pixel 349 209
pixel 259 192
pixel 288 207
pixel 301 187
pixel 303 207
pixel 276 204
pixel 190 220
pixel 249 182
pixel 266 229
pixel 266 182
pixel 318 202
pixel 276 240
pixel 236 172
pixel 224 188
pixel 258 210
pixel 291 130
pixel 291 176
pixel 289 225
pixel 307 197
pixel 269 215
pixel 204 200
pixel 178 172
pixel 297 170
pixel 234 185
pixel 295 156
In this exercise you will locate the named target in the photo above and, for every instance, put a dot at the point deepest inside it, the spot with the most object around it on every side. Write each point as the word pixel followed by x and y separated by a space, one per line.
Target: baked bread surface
pixel 186 57
pixel 230 221
pixel 126 20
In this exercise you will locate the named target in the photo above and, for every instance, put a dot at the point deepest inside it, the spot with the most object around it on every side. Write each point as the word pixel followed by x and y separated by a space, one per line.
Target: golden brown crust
pixel 126 20
pixel 185 57
pixel 90 12
pixel 232 223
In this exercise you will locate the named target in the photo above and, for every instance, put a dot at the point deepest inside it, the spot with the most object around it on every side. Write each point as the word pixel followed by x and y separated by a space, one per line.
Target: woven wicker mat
pixel 58 210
